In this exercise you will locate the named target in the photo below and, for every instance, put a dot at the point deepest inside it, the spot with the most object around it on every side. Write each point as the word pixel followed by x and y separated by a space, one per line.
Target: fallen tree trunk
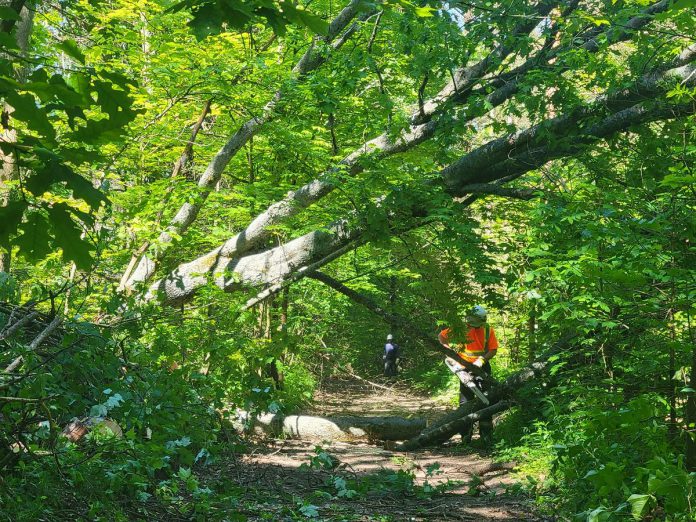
pixel 445 431
pixel 307 427
pixel 499 396
pixel 471 411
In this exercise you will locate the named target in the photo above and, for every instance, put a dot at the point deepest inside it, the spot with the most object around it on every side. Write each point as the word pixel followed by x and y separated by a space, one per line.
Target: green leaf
pixel 7 13
pixel 599 514
pixel 683 4
pixel 82 188
pixel 8 41
pixel 639 503
pixel 206 21
pixel 424 12
pixel 27 110
pixel 310 511
pixel 35 242
pixel 67 235
pixel 10 218
pixel 313 22
pixel 70 48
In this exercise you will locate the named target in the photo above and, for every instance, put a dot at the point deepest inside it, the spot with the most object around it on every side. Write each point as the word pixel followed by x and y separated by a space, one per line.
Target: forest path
pixel 478 487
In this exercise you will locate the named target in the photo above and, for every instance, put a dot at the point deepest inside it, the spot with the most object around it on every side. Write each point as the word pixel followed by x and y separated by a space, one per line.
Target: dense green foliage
pixel 101 99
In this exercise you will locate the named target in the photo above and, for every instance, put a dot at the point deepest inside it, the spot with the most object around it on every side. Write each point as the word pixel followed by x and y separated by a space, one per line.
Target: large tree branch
pixel 530 146
pixel 465 78
pixel 536 157
pixel 499 396
pixel 256 270
pixel 310 60
pixel 179 165
pixel 274 265
pixel 510 81
pixel 229 272
pixel 258 231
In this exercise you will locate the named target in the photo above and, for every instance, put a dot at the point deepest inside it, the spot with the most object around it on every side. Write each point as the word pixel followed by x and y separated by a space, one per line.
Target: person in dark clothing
pixel 391 356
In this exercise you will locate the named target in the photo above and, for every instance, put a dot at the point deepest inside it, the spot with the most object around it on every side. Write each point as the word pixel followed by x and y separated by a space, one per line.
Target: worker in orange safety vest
pixel 478 347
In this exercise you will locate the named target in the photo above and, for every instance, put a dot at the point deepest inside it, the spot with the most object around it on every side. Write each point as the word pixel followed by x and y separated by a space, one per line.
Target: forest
pixel 246 247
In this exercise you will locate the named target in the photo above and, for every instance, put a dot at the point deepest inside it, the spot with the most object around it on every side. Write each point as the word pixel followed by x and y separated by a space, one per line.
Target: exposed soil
pixel 478 489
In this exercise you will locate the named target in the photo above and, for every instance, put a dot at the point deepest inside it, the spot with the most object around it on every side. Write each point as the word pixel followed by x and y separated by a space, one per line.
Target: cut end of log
pixel 78 428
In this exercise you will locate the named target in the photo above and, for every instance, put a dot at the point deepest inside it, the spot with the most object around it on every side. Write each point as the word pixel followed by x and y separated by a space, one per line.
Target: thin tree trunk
pixel 671 388
pixel 68 292
pixel 531 332
pixel 690 413
pixel 9 170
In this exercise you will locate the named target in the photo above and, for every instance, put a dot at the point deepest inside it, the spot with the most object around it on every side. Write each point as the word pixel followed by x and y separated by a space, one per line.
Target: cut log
pixel 307 427
pixel 78 428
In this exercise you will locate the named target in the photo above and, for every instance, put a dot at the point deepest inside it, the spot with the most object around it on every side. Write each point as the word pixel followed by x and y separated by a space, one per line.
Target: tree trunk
pixel 531 332
pixel 472 411
pixel 9 170
pixel 307 427
pixel 188 212
pixel 463 80
pixel 273 266
pixel 445 431
pixel 690 412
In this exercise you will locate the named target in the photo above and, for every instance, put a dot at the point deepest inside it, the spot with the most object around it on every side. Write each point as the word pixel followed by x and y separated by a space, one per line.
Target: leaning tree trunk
pixel 186 215
pixel 445 431
pixel 479 171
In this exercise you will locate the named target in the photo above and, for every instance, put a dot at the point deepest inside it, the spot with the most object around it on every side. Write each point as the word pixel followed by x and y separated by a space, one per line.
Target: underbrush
pixel 600 459
pixel 155 427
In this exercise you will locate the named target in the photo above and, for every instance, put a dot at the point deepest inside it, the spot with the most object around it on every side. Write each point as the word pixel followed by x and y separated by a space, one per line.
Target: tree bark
pixel 275 265
pixel 498 160
pixel 445 431
pixel 308 427
pixel 472 411
pixel 186 215
pixel 690 409
pixel 463 80
pixel 9 170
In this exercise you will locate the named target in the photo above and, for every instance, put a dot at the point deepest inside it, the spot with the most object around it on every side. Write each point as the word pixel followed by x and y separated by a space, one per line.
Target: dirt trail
pixel 481 491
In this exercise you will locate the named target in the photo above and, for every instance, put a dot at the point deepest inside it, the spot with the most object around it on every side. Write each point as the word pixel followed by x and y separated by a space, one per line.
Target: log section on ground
pixel 308 427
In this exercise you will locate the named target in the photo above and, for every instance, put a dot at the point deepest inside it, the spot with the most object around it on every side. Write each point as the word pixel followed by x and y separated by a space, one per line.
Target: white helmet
pixel 390 337
pixel 477 316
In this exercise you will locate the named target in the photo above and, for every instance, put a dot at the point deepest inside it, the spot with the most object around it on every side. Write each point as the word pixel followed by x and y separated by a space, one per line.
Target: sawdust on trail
pixel 480 488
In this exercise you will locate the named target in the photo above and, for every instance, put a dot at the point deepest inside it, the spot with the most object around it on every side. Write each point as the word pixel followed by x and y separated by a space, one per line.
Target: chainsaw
pixel 466 378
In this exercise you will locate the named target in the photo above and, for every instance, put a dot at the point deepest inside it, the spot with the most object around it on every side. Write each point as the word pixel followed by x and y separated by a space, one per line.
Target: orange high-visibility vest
pixel 479 341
